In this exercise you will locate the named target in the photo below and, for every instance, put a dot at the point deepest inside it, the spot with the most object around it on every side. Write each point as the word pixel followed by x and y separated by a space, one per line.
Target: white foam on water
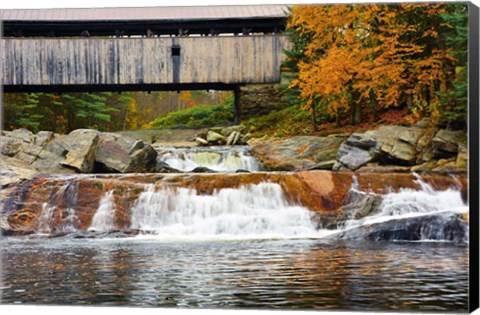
pixel 263 212
pixel 220 159
pixel 46 216
pixel 248 212
pixel 68 191
pixel 255 211
pixel 410 203
pixel 104 218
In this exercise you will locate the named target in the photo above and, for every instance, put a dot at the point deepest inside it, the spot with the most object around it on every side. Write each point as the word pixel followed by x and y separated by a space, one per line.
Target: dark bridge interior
pixel 150 22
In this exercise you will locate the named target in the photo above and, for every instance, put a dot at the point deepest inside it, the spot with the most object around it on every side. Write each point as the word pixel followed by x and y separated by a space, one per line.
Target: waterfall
pixel 409 202
pixel 262 211
pixel 166 211
pixel 436 213
pixel 104 218
pixel 253 211
pixel 221 159
pixel 68 194
pixel 46 217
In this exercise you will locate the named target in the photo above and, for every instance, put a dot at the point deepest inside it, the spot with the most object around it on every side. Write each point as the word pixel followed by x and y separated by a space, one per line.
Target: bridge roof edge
pixel 195 13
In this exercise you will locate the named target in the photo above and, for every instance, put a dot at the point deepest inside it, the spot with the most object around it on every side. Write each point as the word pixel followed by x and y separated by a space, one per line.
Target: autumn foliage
pixel 350 59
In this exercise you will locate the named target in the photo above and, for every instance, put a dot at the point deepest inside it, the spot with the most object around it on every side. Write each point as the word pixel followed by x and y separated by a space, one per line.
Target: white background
pixel 32 4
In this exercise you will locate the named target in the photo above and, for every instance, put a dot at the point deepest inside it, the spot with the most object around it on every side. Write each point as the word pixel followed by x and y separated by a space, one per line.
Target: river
pixel 184 242
pixel 297 274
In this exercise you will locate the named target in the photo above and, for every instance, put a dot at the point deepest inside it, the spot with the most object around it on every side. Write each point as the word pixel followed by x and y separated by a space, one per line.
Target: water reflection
pixel 301 274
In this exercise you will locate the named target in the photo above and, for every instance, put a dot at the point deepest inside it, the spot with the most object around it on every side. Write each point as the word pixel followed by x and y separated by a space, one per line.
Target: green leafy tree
pixel 23 112
pixel 299 38
pixel 454 101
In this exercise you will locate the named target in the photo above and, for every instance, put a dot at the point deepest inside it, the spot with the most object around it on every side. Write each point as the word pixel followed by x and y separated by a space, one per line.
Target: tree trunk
pixel 427 95
pixel 409 101
pixel 314 117
pixel 355 107
pixel 236 110
pixel 355 114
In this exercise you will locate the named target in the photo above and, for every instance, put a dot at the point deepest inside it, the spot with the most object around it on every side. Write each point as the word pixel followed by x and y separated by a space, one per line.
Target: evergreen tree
pixel 26 112
pixel 454 101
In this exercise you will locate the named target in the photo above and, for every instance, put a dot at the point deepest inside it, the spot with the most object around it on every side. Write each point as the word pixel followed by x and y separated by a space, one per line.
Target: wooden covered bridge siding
pixel 151 62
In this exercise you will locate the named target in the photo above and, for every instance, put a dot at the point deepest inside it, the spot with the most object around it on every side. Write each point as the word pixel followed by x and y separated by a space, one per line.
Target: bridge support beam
pixel 236 109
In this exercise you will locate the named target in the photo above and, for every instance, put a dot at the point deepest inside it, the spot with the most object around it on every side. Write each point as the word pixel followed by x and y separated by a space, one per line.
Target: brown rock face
pixel 297 153
pixel 49 205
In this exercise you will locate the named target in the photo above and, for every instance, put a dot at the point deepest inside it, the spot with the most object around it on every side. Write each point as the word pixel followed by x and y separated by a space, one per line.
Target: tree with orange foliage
pixel 374 55
pixel 187 99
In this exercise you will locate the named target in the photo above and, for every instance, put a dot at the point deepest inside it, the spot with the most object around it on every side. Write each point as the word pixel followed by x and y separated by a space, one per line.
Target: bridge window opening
pixel 175 50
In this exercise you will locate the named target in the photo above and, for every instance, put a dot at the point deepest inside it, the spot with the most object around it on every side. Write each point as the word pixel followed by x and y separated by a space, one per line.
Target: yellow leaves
pixel 187 99
pixel 357 52
pixel 430 33
pixel 294 83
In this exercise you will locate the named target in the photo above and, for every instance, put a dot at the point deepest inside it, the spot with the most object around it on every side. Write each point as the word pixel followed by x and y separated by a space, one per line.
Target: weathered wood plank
pixel 112 61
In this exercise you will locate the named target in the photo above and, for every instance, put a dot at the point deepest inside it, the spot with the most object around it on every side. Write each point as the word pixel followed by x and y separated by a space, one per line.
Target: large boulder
pixel 387 145
pixel 83 151
pixel 233 138
pixel 297 153
pixel 10 146
pixel 228 130
pixel 162 167
pixel 215 138
pixel 122 154
pixel 445 143
pixel 398 143
pixel 43 137
pixel 354 157
pixel 82 146
pixel 462 159
pixel 21 134
pixel 201 142
pixel 28 153
pixel 42 152
pixel 448 226
pixel 13 172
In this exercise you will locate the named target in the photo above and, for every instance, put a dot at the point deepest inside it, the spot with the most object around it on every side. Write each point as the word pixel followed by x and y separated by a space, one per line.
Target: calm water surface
pixel 290 274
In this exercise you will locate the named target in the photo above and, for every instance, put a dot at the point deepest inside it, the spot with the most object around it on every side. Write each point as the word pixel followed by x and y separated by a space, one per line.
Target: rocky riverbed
pixel 335 196
pixel 390 148
pixel 387 203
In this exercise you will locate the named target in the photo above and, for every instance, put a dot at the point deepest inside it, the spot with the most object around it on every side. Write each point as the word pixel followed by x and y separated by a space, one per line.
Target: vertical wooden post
pixel 236 110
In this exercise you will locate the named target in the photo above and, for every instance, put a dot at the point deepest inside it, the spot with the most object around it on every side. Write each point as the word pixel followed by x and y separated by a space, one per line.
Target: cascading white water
pixel 222 159
pixel 68 192
pixel 70 196
pixel 254 211
pixel 262 211
pixel 104 218
pixel 409 203
pixel 46 216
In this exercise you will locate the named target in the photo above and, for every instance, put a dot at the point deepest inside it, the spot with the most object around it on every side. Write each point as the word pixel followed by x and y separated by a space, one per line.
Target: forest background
pixel 350 67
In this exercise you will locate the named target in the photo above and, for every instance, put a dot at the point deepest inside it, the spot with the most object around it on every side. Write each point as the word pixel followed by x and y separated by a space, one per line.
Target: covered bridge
pixel 160 48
